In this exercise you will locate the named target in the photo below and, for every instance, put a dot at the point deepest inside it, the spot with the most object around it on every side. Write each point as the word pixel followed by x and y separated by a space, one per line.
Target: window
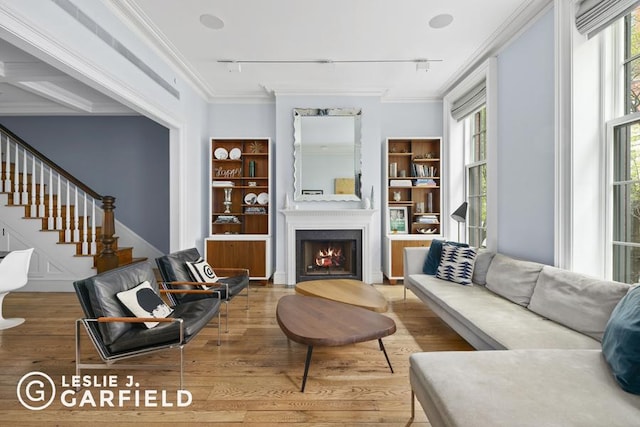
pixel 626 202
pixel 625 232
pixel 476 176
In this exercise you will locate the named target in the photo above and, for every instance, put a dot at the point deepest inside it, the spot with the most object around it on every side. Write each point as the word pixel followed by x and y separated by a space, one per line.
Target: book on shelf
pixel 427 219
pixel 222 183
pixel 400 183
pixel 227 219
pixel 425 182
pixel 420 170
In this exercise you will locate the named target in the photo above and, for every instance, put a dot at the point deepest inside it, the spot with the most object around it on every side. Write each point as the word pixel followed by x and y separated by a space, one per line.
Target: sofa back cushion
pixel 513 279
pixel 577 301
pixel 483 261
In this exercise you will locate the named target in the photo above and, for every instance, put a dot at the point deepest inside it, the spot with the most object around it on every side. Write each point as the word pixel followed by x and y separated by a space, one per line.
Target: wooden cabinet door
pixel 397 256
pixel 249 254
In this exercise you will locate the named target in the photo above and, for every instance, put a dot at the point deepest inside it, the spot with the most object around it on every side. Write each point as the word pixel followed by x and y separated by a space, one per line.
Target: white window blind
pixel 593 16
pixel 470 101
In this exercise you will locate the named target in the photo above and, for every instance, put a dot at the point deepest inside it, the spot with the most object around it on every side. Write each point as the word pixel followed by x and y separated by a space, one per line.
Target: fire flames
pixel 329 257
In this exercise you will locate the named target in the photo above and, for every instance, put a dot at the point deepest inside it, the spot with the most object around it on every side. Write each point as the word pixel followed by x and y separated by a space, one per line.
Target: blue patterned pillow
pixel 456 264
pixel 432 261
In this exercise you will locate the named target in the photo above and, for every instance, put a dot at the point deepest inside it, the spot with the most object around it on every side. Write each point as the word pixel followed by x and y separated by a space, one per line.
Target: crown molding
pixel 514 25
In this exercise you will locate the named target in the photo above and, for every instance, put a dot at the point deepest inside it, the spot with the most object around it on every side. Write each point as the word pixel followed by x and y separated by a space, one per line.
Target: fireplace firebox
pixel 328 254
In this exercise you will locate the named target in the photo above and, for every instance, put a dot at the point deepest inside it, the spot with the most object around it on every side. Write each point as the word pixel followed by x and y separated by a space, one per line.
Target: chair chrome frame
pixel 110 359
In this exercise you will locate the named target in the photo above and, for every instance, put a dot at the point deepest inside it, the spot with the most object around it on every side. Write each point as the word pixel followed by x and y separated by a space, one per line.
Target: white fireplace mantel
pixel 328 219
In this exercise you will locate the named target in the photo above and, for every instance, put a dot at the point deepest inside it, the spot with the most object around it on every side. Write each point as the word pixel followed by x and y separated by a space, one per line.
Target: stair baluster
pixel 76 219
pixel 85 233
pixel 7 168
pixel 33 211
pixel 67 216
pixel 41 210
pixel 59 206
pixel 16 177
pixel 24 197
pixel 94 245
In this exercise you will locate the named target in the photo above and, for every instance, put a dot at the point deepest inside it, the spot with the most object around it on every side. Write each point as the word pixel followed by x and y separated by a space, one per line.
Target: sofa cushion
pixel 456 264
pixel 432 261
pixel 621 342
pixel 489 321
pixel 513 279
pixel 577 301
pixel 142 301
pixel 483 261
pixel 568 388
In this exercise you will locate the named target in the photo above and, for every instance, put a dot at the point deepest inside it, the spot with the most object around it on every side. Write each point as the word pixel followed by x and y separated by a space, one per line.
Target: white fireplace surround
pixel 334 219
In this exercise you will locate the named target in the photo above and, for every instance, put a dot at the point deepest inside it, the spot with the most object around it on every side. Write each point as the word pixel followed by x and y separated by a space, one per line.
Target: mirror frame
pixel 298 113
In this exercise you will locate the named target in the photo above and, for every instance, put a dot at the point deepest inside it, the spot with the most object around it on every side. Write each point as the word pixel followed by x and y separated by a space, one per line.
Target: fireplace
pixel 328 254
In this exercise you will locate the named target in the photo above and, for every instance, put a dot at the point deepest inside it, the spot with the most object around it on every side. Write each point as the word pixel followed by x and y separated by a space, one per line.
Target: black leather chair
pixel 117 335
pixel 176 276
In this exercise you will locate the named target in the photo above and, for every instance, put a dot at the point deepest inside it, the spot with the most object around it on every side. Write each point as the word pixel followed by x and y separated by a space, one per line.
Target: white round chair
pixel 13 275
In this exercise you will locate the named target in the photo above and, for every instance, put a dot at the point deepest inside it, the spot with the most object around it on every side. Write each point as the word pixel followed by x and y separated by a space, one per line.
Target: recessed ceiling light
pixel 441 21
pixel 211 21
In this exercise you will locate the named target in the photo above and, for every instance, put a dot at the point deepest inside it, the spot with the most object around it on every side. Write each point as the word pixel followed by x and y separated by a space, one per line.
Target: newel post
pixel 107 260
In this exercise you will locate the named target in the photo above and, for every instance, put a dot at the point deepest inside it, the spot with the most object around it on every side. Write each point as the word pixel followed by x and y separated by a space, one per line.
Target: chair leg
pixel 248 286
pixel 77 348
pixel 219 326
pixel 413 405
pixel 226 317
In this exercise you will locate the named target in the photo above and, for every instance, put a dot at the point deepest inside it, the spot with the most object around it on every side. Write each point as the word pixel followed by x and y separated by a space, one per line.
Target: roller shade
pixel 470 101
pixel 593 16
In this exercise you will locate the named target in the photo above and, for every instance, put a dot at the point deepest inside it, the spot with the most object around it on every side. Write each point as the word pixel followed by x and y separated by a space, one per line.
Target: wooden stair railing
pixel 63 203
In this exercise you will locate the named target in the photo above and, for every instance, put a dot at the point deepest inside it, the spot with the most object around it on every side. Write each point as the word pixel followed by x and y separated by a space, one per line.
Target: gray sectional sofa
pixel 545 327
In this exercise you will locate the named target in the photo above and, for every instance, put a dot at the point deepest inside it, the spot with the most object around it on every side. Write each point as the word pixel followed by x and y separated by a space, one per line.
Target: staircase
pixel 43 206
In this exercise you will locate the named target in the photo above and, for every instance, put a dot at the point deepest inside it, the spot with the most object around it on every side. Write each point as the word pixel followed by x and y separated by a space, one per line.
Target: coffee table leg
pixel 385 354
pixel 308 362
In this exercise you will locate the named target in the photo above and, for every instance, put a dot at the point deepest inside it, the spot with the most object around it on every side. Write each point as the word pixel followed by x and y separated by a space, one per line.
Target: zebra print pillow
pixel 456 264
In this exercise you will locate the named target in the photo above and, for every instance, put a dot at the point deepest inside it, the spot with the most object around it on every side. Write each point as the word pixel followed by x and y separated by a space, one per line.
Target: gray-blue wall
pixel 126 157
pixel 526 144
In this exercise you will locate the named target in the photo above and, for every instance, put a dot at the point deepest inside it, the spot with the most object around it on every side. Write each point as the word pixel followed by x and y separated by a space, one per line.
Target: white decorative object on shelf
pixel 366 203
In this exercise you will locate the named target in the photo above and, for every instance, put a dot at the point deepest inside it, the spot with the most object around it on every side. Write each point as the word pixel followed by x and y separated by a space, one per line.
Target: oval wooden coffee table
pixel 353 292
pixel 320 322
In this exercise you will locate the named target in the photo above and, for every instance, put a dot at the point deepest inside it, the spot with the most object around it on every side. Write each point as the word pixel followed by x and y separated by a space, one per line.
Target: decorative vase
pixel 227 200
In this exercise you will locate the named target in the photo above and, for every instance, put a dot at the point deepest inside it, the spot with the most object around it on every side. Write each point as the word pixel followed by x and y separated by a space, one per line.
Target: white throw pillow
pixel 202 272
pixel 456 264
pixel 143 301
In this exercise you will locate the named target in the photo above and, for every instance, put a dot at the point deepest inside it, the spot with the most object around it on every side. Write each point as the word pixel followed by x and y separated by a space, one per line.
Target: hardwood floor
pixel 252 379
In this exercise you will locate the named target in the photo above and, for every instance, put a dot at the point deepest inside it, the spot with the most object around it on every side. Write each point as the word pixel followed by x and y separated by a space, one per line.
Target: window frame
pixel 473 160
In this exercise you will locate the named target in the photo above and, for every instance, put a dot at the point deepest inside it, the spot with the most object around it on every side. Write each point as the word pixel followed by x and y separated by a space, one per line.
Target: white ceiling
pixel 286 30
pixel 327 30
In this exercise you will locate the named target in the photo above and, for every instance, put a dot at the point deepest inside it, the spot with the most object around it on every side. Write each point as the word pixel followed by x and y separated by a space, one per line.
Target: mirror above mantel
pixel 327 154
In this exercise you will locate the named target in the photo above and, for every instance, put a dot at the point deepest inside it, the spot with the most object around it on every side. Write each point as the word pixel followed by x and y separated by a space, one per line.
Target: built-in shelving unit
pixel 240 206
pixel 412 215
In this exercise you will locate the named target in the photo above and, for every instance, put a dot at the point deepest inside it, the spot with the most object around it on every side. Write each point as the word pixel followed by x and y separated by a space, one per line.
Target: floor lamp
pixel 460 216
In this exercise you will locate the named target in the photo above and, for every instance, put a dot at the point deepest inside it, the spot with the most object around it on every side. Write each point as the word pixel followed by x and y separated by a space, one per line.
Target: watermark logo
pixel 36 391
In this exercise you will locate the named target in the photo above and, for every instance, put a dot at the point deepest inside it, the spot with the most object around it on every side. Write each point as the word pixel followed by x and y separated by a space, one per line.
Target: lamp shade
pixel 460 214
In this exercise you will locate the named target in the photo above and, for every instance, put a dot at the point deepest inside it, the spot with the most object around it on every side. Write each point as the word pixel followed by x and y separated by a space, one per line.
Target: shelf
pixel 254 161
